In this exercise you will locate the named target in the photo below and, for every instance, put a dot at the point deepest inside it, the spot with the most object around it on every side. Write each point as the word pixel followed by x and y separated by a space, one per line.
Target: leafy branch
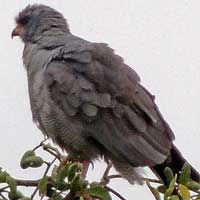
pixel 64 181
pixel 179 186
pixel 60 180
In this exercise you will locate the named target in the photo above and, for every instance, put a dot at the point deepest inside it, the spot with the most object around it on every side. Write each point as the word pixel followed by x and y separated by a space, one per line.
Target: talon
pixel 65 161
pixel 92 164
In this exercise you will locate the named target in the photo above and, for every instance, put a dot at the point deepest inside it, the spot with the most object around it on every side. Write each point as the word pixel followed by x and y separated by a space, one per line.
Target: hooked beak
pixel 17 31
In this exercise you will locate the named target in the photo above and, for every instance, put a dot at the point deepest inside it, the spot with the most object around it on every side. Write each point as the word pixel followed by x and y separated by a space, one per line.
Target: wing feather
pixel 123 117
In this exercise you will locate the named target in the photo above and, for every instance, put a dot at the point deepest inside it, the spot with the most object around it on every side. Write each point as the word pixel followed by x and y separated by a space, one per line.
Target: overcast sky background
pixel 159 39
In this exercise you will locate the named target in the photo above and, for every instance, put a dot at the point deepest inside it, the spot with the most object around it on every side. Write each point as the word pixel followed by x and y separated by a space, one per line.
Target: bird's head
pixel 37 20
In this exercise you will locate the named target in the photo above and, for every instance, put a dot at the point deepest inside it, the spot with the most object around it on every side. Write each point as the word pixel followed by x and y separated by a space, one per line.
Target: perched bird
pixel 88 101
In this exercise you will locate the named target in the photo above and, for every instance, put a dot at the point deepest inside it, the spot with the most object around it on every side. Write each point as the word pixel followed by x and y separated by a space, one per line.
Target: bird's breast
pixel 65 131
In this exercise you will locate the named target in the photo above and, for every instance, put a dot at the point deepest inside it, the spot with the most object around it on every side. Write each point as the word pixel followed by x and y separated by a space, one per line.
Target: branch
pixel 114 192
pixel 53 151
pixel 45 173
pixel 27 183
pixel 152 180
pixel 114 176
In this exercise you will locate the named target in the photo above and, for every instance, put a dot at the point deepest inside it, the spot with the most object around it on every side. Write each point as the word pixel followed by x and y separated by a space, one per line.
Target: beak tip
pixel 13 34
pixel 16 31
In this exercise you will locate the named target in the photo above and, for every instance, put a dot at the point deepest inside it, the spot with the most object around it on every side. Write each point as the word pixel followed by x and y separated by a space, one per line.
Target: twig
pixel 45 173
pixel 195 195
pixel 27 183
pixel 109 166
pixel 151 180
pixel 52 152
pixel 35 192
pixel 105 180
pixel 54 149
pixel 3 196
pixel 49 166
pixel 41 144
pixel 4 188
pixel 114 176
pixel 87 197
pixel 114 192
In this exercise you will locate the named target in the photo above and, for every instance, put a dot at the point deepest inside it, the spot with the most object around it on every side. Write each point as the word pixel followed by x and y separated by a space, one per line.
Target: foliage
pixel 179 186
pixel 63 180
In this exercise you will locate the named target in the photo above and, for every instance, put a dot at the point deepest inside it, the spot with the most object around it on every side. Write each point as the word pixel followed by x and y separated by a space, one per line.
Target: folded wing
pixel 119 115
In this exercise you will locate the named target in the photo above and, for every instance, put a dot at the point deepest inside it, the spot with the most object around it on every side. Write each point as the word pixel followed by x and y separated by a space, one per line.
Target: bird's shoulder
pixel 81 63
pixel 98 62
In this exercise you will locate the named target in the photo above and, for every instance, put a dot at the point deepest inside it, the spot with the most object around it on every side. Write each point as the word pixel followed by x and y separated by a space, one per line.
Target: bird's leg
pixel 86 164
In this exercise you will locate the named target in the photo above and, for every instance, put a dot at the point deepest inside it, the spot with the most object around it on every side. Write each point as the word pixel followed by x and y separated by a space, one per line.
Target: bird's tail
pixel 175 161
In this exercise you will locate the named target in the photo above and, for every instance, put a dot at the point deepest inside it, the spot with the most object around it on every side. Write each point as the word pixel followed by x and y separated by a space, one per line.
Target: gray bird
pixel 89 102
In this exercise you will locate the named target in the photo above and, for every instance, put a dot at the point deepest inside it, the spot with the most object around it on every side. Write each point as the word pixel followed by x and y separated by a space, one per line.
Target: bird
pixel 89 102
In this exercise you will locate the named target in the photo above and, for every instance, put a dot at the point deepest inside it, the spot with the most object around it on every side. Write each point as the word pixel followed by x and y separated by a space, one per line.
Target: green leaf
pixel 62 174
pixel 98 192
pixel 168 174
pixel 42 186
pixel 78 184
pixel 171 187
pixel 93 184
pixel 62 186
pixel 162 189
pixel 18 195
pixel 174 197
pixel 198 197
pixel 74 168
pixel 184 192
pixel 25 198
pixel 12 185
pixel 185 174
pixel 75 184
pixel 59 178
pixel 193 185
pixel 154 191
pixel 54 172
pixel 3 176
pixel 31 161
pixel 84 183
pixel 56 196
pixel 26 155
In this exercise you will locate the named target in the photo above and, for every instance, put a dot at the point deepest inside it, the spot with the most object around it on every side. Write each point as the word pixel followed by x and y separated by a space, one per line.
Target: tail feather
pixel 175 161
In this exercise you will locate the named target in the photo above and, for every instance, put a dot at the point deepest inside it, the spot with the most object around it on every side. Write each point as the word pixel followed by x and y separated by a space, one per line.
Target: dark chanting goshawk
pixel 89 102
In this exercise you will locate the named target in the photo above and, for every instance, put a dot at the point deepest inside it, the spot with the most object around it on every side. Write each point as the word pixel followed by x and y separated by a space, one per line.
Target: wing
pixel 118 114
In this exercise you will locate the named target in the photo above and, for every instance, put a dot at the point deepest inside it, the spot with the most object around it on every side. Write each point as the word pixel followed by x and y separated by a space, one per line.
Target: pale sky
pixel 159 39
